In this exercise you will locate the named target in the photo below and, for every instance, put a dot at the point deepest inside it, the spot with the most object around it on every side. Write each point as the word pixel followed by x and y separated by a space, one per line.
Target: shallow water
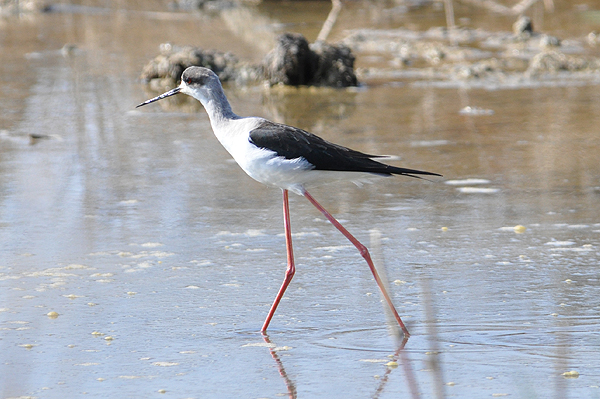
pixel 162 258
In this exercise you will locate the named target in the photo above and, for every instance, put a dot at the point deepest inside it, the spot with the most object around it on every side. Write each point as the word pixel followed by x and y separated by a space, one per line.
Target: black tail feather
pixel 393 170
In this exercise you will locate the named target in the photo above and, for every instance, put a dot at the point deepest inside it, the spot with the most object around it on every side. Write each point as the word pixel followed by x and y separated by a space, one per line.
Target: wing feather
pixel 290 142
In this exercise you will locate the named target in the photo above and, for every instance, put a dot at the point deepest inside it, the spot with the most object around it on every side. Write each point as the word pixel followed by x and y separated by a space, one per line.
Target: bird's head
pixel 197 82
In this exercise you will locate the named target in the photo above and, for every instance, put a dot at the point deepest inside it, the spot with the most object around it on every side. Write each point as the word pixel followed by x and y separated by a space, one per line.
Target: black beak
pixel 164 95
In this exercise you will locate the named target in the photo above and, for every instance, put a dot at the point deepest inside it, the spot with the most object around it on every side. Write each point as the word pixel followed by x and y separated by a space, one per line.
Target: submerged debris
pixel 439 56
pixel 292 62
pixel 12 7
pixel 554 61
pixel 519 229
pixel 475 57
pixel 571 374
pixel 168 66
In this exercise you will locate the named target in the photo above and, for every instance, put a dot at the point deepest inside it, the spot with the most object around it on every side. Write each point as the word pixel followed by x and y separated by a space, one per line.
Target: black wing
pixel 290 143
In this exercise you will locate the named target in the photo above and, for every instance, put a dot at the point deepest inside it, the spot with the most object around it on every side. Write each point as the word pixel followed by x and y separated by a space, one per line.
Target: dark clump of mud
pixel 292 62
pixel 335 66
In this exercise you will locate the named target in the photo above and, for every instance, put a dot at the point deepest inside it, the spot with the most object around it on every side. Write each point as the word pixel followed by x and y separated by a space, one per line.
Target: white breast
pixel 263 165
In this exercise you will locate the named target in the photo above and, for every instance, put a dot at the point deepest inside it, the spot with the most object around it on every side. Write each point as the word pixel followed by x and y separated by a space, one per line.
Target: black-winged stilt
pixel 286 157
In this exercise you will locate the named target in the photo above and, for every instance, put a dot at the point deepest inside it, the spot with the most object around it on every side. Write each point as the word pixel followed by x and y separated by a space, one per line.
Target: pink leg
pixel 291 268
pixel 365 254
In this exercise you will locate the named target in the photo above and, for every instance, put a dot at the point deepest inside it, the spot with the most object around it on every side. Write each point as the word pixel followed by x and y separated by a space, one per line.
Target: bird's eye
pixel 188 81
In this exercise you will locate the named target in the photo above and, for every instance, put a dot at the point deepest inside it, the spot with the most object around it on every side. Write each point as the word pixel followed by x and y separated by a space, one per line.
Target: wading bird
pixel 286 157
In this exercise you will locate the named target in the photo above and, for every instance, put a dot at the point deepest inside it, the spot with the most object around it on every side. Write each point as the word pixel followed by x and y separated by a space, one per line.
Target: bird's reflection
pixel 397 359
pixel 400 356
pixel 291 387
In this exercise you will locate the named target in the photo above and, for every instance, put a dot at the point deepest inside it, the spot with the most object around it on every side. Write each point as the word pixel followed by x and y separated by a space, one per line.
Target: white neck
pixel 216 105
